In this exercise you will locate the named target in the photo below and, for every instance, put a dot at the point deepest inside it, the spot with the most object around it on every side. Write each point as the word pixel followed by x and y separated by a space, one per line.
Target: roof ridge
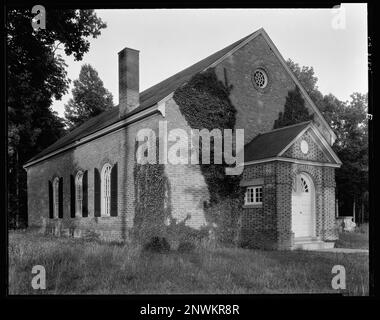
pixel 290 126
pixel 233 45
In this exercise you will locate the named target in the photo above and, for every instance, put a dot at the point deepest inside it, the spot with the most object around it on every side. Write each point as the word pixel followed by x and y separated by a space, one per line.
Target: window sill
pixel 253 205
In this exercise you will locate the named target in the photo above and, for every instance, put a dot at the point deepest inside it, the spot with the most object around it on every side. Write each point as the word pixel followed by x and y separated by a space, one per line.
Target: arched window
pixel 79 193
pixel 106 190
pixel 55 197
pixel 304 186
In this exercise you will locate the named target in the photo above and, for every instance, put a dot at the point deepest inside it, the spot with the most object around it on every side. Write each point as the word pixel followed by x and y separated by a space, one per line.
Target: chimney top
pixel 129 95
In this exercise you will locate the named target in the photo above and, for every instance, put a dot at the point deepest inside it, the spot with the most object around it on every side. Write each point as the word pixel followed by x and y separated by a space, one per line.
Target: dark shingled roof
pixel 271 143
pixel 148 98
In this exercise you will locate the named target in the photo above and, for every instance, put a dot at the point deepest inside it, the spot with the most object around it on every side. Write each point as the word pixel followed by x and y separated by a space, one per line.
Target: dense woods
pixel 36 74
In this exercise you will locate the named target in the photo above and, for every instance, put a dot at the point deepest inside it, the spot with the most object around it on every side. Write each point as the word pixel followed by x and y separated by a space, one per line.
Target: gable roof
pixel 270 144
pixel 158 92
pixel 148 98
pixel 273 144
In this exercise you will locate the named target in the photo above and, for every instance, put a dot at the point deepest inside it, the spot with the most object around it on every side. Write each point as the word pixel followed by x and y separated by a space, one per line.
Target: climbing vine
pixel 295 110
pixel 204 101
pixel 152 205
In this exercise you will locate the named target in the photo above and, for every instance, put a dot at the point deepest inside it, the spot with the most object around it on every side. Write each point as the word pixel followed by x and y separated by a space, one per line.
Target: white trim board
pixel 110 129
pixel 297 161
pixel 320 137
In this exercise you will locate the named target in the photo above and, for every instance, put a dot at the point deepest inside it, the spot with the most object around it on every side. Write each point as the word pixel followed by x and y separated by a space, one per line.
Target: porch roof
pixel 270 144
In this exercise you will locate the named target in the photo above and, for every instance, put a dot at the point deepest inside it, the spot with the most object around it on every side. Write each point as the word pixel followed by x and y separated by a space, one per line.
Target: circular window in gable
pixel 260 78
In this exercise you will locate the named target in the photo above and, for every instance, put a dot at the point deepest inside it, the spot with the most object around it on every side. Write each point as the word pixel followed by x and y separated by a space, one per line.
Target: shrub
pixel 185 247
pixel 157 244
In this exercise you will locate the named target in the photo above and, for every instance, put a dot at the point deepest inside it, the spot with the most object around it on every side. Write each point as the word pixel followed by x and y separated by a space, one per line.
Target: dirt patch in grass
pixel 88 267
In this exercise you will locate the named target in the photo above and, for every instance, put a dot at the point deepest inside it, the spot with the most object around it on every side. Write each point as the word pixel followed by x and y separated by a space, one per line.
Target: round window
pixel 304 147
pixel 260 78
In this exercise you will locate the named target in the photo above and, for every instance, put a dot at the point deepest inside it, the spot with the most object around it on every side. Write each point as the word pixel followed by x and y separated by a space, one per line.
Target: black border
pixel 247 302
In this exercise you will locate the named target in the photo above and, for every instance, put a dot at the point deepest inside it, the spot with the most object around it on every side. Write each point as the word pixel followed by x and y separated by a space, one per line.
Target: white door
pixel 302 208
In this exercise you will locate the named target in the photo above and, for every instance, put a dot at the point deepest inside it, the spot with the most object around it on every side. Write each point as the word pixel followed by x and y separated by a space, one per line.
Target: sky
pixel 332 41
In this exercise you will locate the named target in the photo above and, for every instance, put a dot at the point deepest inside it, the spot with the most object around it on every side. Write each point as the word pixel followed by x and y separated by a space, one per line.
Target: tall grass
pixel 88 267
pixel 357 239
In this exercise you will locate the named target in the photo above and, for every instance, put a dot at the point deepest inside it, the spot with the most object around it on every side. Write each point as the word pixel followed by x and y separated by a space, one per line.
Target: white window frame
pixel 79 193
pixel 253 195
pixel 56 197
pixel 105 190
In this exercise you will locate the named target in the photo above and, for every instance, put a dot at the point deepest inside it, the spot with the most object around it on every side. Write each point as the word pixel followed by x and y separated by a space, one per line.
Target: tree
pixel 348 120
pixel 352 148
pixel 294 110
pixel 90 98
pixel 36 74
pixel 306 76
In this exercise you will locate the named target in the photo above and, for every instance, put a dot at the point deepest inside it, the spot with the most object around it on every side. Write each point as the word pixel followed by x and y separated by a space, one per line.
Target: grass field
pixel 356 240
pixel 76 266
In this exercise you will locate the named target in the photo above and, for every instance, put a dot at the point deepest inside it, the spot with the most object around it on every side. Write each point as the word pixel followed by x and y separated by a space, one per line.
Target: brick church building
pixel 85 183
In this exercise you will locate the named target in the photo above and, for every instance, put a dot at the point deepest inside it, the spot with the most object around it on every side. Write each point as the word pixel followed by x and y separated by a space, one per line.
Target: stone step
pixel 306 239
pixel 312 245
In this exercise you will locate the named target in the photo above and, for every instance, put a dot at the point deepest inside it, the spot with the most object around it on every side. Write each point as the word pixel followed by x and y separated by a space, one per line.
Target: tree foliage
pixel 90 98
pixel 36 73
pixel 295 110
pixel 348 120
pixel 308 80
pixel 352 148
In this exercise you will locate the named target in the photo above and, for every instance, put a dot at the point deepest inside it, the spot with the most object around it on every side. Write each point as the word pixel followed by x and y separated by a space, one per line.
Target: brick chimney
pixel 128 81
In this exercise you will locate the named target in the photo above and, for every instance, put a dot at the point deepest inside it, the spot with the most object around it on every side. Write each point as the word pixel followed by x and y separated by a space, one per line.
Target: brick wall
pixel 270 225
pixel 258 109
pixel 256 113
pixel 188 187
pixel 114 147
pixel 258 222
pixel 315 152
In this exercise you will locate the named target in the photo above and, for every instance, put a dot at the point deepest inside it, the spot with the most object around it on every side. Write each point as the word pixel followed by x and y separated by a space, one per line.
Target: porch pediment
pixel 300 143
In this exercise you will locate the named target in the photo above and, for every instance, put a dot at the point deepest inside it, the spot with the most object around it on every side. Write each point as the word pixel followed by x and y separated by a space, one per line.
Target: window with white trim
pixel 79 193
pixel 254 195
pixel 55 197
pixel 106 190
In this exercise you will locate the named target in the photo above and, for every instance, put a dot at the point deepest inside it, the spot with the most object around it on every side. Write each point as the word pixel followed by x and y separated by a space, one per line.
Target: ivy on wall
pixel 295 110
pixel 204 102
pixel 152 205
